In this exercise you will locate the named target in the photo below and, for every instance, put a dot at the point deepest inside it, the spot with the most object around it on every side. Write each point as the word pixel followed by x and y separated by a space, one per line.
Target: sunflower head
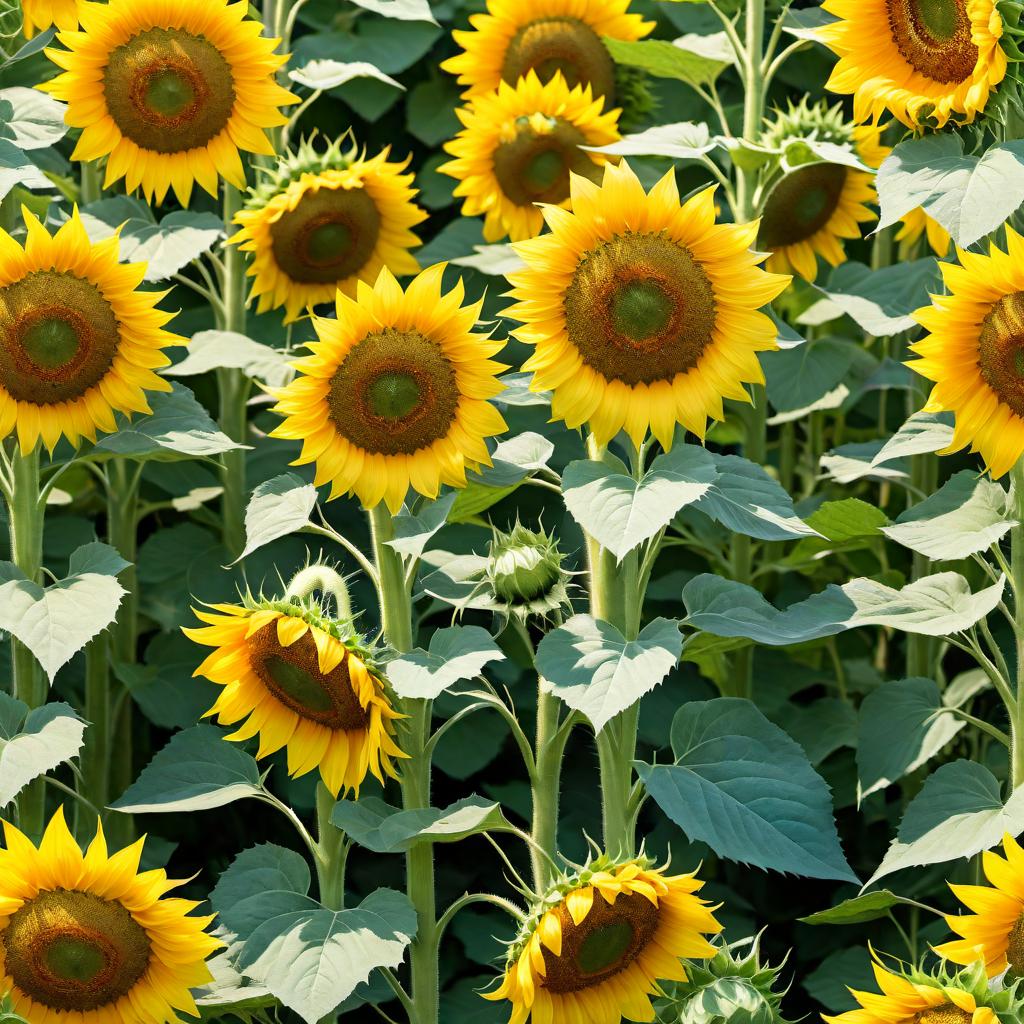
pixel 642 311
pixel 89 939
pixel 78 341
pixel 323 220
pixel 598 941
pixel 925 61
pixel 169 98
pixel 303 680
pixel 519 147
pixel 974 352
pixel 911 995
pixel 524 571
pixel 548 37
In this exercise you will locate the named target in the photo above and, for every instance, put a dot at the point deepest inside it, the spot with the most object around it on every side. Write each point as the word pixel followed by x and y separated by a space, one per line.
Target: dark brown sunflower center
pixel 1001 350
pixel 330 235
pixel 934 37
pixel 947 1014
pixel 549 45
pixel 640 309
pixel 1015 948
pixel 58 337
pixel 801 205
pixel 168 90
pixel 292 674
pixel 394 393
pixel 606 942
pixel 534 166
pixel 73 951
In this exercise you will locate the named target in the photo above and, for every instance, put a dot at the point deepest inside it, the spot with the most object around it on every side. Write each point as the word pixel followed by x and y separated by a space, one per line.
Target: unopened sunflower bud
pixel 524 569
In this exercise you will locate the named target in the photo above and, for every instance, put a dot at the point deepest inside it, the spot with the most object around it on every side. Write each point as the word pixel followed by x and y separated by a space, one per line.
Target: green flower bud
pixel 524 570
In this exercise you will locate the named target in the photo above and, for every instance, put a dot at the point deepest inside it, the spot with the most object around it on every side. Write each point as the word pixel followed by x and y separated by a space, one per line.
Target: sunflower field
pixel 513 511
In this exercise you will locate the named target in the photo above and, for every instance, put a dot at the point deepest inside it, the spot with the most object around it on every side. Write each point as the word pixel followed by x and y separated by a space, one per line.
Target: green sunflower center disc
pixel 58 337
pixel 395 393
pixel 72 951
pixel 801 204
pixel 603 944
pixel 329 236
pixel 292 674
pixel 640 309
pixel 168 90
pixel 534 166
pixel 1001 351
pixel 568 45
pixel 948 1014
pixel 934 37
pixel 1015 949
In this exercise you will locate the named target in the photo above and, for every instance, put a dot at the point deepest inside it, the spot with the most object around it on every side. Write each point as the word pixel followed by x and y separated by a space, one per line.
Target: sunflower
pixel 599 942
pixel 975 352
pixel 169 93
pixel 78 342
pixel 643 313
pixel 305 684
pixel 39 15
pixel 324 222
pixel 518 148
pixel 547 36
pixel 995 931
pixel 395 392
pixel 91 940
pixel 937 59
pixel 918 998
pixel 918 223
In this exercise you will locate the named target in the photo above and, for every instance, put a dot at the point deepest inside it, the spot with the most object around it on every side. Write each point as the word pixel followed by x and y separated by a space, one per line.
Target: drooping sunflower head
pixel 994 932
pixel 599 941
pixel 395 394
pixel 816 205
pixel 518 148
pixel 643 312
pixel 926 61
pixel 525 574
pixel 91 940
pixel 169 93
pixel 78 341
pixel 304 681
pixel 515 37
pixel 323 221
pixel 974 352
pixel 913 996
pixel 39 15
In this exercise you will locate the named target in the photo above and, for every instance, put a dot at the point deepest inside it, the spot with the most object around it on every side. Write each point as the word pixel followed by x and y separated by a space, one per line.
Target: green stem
pixel 332 852
pixel 26 525
pixel 96 750
pixel 924 471
pixel 547 774
pixel 234 388
pixel 396 620
pixel 90 186
pixel 1017 567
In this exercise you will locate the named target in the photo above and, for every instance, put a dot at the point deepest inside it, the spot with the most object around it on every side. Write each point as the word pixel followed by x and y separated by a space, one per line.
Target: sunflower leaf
pixel 696 60
pixel 745 788
pixel 30 118
pixel 324 73
pixel 922 433
pixel 868 907
pixel 685 140
pixel 404 10
pixel 213 350
pixel 456 653
pixel 16 168
pixel 413 532
pixel 277 508
pixel 35 742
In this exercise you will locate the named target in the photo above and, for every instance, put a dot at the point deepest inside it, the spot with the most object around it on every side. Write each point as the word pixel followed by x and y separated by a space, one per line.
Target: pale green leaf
pixel 456 653
pixel 213 350
pixel 277 508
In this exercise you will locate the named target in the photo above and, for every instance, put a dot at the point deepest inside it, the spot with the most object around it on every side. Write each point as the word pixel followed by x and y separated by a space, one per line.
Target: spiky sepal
pixel 306 158
pixel 524 573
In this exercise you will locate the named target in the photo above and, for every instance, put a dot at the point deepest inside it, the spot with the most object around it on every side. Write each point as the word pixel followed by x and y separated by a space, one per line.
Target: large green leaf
pixel 212 350
pixel 593 668
pixel 324 73
pixel 404 10
pixel 262 872
pixel 18 169
pixel 621 513
pixel 923 432
pixel 798 377
pixel 277 508
pixel 196 771
pixel 682 141
pixel 413 532
pixel 34 742
pixel 902 725
pixel 30 118
pixel 456 653
pixel 681 60
pixel 57 621
pixel 745 788
pixel 869 906
pixel 958 813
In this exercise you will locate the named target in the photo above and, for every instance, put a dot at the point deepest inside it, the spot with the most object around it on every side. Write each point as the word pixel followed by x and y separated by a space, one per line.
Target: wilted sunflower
pixel 643 312
pixel 995 931
pixel 78 342
pixel 913 997
pixel 39 15
pixel 169 93
pixel 324 221
pixel 519 146
pixel 304 684
pixel 975 352
pixel 547 36
pixel 599 942
pixel 815 206
pixel 91 940
pixel 918 223
pixel 935 60
pixel 395 393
